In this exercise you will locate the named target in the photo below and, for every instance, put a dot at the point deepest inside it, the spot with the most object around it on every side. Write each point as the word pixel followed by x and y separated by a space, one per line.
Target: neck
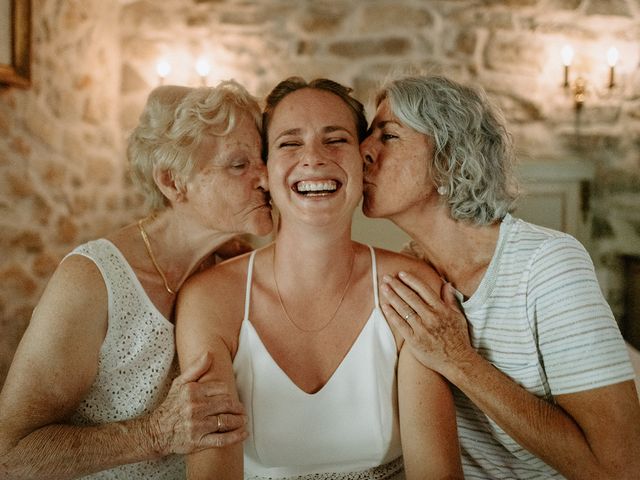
pixel 459 251
pixel 180 246
pixel 311 256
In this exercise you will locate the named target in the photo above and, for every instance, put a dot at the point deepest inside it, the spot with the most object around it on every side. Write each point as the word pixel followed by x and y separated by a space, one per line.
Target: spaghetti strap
pixel 247 294
pixel 374 273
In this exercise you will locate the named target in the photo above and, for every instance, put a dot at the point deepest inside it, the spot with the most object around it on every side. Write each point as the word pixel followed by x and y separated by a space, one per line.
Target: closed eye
pixel 289 144
pixel 239 165
pixel 387 136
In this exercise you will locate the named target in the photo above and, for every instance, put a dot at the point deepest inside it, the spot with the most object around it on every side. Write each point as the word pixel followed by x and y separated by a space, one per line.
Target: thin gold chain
pixel 145 239
pixel 344 292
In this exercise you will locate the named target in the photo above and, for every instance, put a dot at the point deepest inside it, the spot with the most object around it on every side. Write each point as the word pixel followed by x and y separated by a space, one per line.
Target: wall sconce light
pixel 163 69
pixel 579 87
pixel 203 68
pixel 567 58
pixel 612 59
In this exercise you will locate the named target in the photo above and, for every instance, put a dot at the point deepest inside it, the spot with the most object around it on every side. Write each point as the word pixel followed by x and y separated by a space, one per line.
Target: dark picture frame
pixel 15 43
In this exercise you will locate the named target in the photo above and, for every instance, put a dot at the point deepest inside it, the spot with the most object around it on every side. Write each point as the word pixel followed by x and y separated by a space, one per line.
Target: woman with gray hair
pixel 544 382
pixel 92 389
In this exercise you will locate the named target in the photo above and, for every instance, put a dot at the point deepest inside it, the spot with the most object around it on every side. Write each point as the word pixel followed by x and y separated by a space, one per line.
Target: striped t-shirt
pixel 540 317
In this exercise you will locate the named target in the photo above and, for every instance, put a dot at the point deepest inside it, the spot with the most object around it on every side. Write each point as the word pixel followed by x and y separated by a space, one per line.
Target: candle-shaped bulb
pixel 612 59
pixel 163 68
pixel 612 56
pixel 567 55
pixel 567 58
pixel 203 68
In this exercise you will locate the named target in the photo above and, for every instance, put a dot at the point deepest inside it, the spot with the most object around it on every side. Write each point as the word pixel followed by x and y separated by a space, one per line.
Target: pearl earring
pixel 442 190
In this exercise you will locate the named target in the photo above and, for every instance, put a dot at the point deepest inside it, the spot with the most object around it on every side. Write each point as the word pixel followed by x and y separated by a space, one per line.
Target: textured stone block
pixel 359 49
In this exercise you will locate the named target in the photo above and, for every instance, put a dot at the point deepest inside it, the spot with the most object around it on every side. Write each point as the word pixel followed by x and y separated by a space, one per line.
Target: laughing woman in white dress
pixel 329 391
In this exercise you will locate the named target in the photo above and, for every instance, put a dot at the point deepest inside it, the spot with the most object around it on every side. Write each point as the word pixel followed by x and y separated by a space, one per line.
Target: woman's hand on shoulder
pixel 429 318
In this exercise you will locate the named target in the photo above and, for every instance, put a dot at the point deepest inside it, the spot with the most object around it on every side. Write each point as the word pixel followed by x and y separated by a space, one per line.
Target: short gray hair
pixel 173 124
pixel 473 152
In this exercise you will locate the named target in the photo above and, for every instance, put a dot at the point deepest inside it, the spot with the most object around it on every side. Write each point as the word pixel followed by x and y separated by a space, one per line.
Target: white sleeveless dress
pixel 349 429
pixel 136 364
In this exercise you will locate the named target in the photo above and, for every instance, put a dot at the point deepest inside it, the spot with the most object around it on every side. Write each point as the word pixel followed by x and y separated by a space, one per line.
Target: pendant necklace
pixel 145 239
pixel 284 309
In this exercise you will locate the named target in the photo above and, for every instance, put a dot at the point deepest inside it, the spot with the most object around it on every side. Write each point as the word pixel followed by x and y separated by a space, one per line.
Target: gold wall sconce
pixel 579 86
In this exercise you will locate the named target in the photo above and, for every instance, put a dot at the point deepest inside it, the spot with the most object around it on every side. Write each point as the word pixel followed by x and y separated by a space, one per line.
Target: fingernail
pixel 402 274
pixel 386 278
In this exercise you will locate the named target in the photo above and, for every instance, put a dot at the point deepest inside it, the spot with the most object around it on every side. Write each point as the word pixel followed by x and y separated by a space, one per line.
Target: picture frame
pixel 15 43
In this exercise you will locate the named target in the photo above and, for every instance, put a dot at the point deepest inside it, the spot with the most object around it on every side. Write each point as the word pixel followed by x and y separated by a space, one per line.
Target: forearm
pixel 543 428
pixel 219 463
pixel 66 451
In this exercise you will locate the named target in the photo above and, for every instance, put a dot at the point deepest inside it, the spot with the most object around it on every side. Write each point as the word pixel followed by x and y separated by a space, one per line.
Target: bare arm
pixel 427 422
pixel 591 434
pixel 428 427
pixel 200 330
pixel 53 369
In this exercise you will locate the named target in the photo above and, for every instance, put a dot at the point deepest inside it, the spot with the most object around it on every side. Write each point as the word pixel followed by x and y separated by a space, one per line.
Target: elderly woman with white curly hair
pixel 543 383
pixel 92 389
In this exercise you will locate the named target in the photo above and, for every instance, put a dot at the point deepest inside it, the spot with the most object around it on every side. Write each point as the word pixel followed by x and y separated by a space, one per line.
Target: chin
pixel 368 209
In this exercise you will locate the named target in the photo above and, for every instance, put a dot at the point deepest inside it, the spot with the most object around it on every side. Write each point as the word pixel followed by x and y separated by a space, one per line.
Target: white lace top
pixel 136 364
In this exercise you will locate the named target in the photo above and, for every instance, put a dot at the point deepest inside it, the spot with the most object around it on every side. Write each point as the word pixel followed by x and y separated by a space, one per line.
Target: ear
pixel 167 184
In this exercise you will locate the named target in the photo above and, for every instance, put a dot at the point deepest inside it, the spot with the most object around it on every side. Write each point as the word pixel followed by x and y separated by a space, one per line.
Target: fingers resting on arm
pixel 199 413
pixel 434 328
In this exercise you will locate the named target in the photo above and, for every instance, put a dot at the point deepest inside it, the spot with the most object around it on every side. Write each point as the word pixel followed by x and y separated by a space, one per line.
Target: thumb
pixel 197 369
pixel 450 296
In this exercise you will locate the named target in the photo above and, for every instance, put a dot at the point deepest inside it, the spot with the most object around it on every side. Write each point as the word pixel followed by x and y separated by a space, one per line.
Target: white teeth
pixel 311 186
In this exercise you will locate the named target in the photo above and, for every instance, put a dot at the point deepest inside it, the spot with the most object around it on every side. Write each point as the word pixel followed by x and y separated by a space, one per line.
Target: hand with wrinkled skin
pixel 197 415
pixel 434 327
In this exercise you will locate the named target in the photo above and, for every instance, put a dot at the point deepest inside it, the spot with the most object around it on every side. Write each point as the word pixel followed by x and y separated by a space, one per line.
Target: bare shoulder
pixel 391 263
pixel 210 306
pixel 225 280
pixel 75 295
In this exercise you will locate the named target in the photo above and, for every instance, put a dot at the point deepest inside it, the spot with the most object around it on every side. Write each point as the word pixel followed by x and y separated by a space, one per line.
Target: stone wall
pixel 61 167
pixel 61 142
pixel 512 48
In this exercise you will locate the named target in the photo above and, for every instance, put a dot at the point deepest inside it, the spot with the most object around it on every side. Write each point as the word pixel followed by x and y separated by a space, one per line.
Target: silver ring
pixel 219 427
pixel 409 315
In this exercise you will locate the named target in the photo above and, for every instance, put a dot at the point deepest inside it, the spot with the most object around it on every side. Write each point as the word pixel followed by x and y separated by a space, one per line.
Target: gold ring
pixel 219 428
pixel 409 315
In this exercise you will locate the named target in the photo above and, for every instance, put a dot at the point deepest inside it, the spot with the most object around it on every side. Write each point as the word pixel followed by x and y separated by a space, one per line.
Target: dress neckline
pixel 248 326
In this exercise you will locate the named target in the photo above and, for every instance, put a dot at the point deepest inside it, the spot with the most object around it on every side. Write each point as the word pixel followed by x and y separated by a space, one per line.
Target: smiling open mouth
pixel 316 188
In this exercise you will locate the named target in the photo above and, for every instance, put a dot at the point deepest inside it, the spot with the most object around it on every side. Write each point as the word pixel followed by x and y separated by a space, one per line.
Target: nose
pixel 313 155
pixel 368 152
pixel 261 173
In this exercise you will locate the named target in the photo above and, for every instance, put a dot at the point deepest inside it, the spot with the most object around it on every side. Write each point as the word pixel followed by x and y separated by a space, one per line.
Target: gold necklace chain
pixel 145 239
pixel 284 309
